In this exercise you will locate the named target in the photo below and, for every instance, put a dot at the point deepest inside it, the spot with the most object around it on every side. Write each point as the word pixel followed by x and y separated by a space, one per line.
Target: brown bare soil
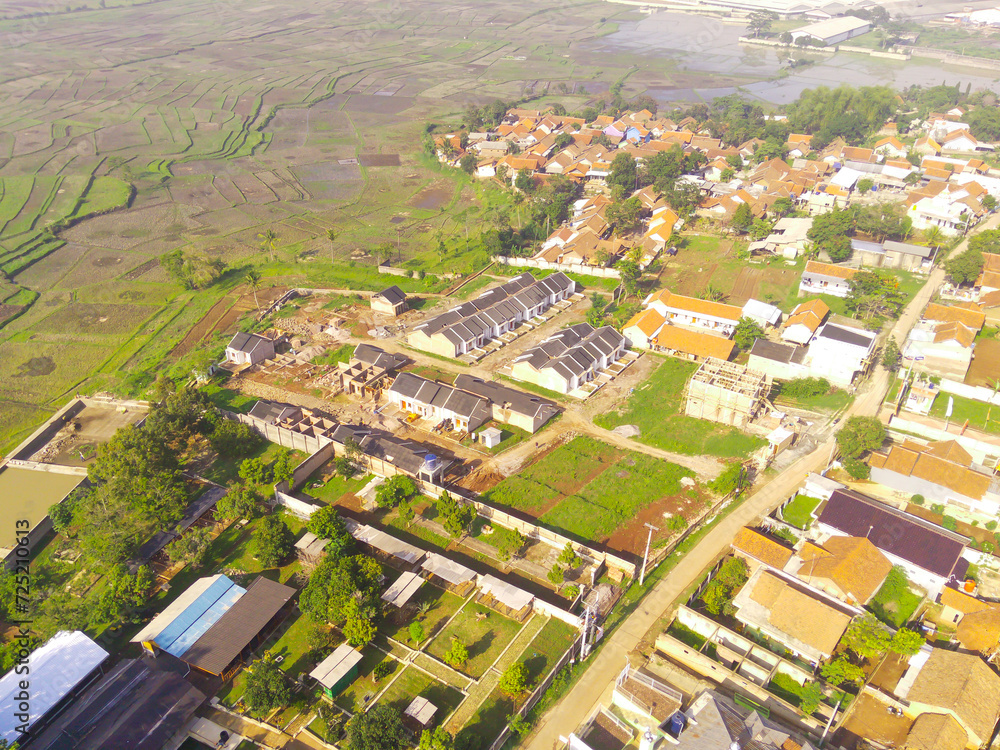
pixel 746 285
pixel 632 536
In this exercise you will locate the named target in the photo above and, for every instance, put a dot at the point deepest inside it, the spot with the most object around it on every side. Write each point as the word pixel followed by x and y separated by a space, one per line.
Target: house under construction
pixel 725 392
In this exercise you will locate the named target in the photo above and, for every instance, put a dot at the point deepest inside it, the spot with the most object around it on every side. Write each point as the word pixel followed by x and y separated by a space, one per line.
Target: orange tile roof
pixel 973 316
pixel 695 343
pixel 940 463
pixel 954 332
pixel 761 547
pixel 828 269
pixel 703 307
pixel 853 564
pixel 959 600
pixel 647 321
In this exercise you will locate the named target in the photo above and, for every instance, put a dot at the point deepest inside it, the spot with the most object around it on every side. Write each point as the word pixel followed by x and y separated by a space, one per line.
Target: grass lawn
pixel 337 487
pixel 416 534
pixel 443 604
pixel 894 603
pixel 549 645
pixel 488 720
pixel 231 694
pixel 798 511
pixel 831 402
pixel 292 645
pixel 509 437
pixel 411 683
pixel 979 414
pixel 224 469
pixel 484 632
pixel 589 474
pixel 654 408
pixel 356 695
pixel 228 399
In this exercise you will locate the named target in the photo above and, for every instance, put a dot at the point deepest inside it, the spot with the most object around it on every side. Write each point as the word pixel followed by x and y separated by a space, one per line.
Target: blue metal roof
pixel 199 616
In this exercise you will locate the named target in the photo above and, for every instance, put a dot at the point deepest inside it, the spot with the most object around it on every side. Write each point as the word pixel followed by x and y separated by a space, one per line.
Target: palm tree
pixel 635 254
pixel 252 278
pixel 267 240
pixel 933 235
pixel 331 234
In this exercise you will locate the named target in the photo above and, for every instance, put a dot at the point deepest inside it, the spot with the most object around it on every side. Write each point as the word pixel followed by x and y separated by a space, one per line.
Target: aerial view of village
pixel 590 375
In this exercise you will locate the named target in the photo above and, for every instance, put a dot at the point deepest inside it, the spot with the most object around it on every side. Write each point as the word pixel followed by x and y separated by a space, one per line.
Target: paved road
pixel 590 691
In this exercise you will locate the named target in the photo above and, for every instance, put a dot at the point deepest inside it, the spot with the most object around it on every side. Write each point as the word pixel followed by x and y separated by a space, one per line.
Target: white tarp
pixel 510 596
pixel 55 670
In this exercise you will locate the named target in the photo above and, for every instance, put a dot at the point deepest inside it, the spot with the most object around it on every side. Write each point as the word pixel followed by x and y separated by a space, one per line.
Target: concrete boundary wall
pixel 604 273
pixel 975 392
pixel 297 507
pixel 281 436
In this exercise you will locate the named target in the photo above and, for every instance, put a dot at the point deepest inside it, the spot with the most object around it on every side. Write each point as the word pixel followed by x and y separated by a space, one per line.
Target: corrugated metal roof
pixel 402 589
pixel 189 625
pixel 55 670
pixel 333 668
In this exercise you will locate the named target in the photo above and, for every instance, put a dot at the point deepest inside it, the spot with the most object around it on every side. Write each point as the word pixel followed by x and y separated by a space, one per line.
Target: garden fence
pixel 538 692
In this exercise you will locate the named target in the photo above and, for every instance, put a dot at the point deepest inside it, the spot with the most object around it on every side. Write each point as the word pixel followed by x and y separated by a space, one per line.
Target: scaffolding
pixel 726 393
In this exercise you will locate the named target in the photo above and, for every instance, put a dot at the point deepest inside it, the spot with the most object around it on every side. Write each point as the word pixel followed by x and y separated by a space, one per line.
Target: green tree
pixel 416 633
pixel 875 293
pixel 272 541
pixel 508 542
pixel 266 686
pixel 865 185
pixel 906 642
pixel 326 523
pixel 747 331
pixel 514 680
pixel 965 267
pixel 840 670
pixel 760 22
pixel 859 435
pixel 826 227
pixel 256 471
pixel 240 501
pixel 394 490
pixel 623 172
pixel 234 439
pixel 457 654
pixel 630 274
pixel 191 547
pixel 569 557
pixel 359 624
pixel 625 216
pixel 380 728
pixel 124 595
pixel 866 637
pixel 556 575
pixel 252 279
pixel 838 248
pixel 810 697
pixel 458 521
pixel 436 739
pixel 335 582
pixel 268 240
pixel 760 229
pixel 523 181
pixel 742 218
pixel 892 358
pixel 782 207
pixel 468 163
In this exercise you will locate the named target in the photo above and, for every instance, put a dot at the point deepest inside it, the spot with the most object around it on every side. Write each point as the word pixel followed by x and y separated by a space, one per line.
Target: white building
pixel 834 30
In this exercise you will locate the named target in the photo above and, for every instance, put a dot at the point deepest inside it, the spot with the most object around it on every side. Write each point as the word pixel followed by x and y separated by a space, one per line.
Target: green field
pixel 577 488
pixel 799 511
pixel 654 408
pixel 979 414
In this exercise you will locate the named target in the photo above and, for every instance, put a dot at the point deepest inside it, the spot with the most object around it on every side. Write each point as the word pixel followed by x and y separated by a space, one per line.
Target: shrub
pixel 937 508
pixel 571 591
pixel 949 523
pixel 991 525
pixel 805 387
pixel 514 680
pixel 457 654
pixel 677 523
pixel 917 500
pixel 728 481
pixel 416 632
pixel 556 575
pixel 384 669
pixel 856 468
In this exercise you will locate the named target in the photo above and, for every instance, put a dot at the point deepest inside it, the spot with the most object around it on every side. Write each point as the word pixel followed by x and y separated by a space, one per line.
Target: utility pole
pixel 645 556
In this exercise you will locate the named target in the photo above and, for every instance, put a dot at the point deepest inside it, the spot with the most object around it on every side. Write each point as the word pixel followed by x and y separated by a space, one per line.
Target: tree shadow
pixel 482 645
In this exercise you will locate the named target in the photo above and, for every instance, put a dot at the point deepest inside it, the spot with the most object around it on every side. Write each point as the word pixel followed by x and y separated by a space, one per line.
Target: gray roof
pixel 386 543
pixel 393 295
pixel 574 350
pixel 137 705
pixel 273 412
pixel 474 318
pixel 845 335
pixel 516 400
pixel 908 249
pixel 403 454
pixel 247 342
pixel 440 396
pixel 778 352
pixel 402 589
pixel 372 355
pixel 453 572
